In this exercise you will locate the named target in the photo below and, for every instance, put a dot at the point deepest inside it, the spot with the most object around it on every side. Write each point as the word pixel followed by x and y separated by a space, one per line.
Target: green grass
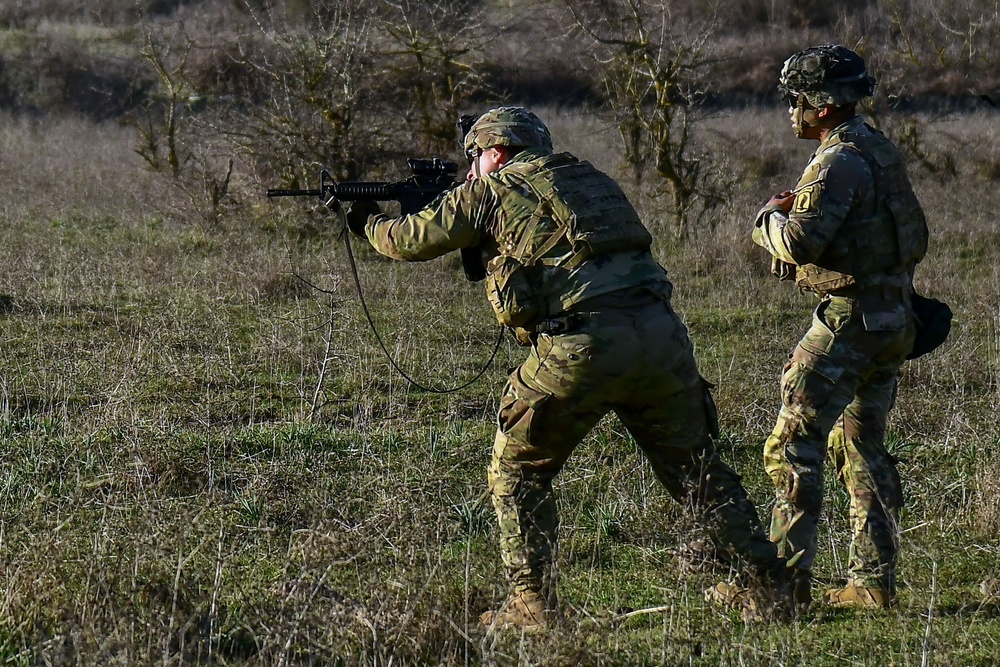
pixel 178 487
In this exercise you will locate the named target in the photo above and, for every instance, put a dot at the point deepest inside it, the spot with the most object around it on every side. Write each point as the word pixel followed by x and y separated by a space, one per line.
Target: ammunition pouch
pixel 511 294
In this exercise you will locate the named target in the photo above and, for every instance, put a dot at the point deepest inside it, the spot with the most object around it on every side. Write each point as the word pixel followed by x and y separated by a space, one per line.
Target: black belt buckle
pixel 557 325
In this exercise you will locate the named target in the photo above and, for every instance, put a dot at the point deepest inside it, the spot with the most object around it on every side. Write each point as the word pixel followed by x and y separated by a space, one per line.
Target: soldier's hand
pixel 357 217
pixel 782 200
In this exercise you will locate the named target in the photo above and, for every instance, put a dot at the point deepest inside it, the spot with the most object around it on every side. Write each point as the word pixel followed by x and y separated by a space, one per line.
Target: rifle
pixel 428 179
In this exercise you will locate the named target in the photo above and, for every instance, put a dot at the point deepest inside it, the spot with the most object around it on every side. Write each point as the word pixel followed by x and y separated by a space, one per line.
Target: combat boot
pixel 526 610
pixel 729 595
pixel 767 598
pixel 860 597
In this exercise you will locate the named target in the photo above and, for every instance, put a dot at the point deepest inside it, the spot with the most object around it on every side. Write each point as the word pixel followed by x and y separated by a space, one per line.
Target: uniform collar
pixel 836 134
pixel 529 154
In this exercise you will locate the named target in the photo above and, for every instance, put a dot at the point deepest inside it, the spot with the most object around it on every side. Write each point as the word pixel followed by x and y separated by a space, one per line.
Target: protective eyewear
pixel 794 99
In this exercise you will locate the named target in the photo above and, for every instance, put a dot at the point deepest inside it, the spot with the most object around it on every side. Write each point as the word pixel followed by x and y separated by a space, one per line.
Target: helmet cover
pixel 827 75
pixel 508 126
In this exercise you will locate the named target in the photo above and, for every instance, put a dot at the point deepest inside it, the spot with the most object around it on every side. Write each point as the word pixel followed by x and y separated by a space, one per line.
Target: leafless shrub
pixel 171 137
pixel 310 87
pixel 330 97
pixel 937 46
pixel 651 68
pixel 925 55
pixel 434 51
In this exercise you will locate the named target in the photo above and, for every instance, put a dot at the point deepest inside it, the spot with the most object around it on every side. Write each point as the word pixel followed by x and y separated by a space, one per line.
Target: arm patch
pixel 805 199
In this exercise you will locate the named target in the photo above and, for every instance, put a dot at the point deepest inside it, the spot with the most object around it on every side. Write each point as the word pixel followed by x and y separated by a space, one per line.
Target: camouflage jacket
pixel 854 223
pixel 513 217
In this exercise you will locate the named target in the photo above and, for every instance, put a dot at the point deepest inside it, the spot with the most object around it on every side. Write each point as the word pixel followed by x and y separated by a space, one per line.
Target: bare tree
pixel 170 138
pixel 434 53
pixel 356 86
pixel 312 82
pixel 350 87
pixel 652 69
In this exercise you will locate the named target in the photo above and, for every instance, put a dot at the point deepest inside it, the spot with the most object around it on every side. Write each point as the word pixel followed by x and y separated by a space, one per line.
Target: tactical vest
pixel 557 213
pixel 883 247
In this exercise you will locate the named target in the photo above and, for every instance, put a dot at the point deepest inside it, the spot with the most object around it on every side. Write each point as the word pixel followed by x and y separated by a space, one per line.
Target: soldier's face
pixel 804 119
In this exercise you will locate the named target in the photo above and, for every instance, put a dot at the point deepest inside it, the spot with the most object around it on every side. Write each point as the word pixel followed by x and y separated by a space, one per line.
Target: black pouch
pixel 933 324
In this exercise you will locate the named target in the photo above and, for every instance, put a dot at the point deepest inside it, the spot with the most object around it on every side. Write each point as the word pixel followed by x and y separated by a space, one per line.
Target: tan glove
pixel 523 336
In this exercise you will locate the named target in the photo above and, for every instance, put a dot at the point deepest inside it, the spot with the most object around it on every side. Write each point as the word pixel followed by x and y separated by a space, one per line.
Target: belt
pixel 568 322
pixel 577 321
pixel 885 292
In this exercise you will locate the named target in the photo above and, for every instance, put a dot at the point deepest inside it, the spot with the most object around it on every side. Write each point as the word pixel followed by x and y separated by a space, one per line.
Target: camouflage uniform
pixel 853 235
pixel 569 267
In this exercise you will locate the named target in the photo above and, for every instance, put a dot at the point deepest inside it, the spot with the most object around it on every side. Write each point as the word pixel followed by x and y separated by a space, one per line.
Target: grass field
pixel 206 460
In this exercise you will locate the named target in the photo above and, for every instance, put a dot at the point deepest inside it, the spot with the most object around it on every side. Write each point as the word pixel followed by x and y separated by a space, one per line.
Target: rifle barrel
pixel 294 193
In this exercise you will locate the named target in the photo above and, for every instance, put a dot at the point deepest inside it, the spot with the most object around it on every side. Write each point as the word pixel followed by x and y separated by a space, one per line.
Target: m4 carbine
pixel 429 178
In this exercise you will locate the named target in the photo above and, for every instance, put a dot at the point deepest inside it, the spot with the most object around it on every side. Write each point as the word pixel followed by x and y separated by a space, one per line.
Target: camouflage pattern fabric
pixel 638 363
pixel 624 351
pixel 839 233
pixel 837 390
pixel 493 215
pixel 508 126
pixel 840 381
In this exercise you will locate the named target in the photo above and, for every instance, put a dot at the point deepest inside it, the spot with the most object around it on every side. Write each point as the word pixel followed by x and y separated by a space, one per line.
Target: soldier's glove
pixel 523 337
pixel 357 217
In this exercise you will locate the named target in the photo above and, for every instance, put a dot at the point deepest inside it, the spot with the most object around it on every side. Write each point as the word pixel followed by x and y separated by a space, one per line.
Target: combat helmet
pixel 827 75
pixel 507 126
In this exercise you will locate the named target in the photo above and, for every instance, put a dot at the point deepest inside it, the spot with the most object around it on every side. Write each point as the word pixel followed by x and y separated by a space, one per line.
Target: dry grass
pixel 164 498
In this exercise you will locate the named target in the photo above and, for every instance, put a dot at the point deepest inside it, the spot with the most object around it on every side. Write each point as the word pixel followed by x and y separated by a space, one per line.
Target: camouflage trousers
pixel 837 390
pixel 638 363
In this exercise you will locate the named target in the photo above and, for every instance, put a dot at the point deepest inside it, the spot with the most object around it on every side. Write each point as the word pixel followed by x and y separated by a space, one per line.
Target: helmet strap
pixel 802 124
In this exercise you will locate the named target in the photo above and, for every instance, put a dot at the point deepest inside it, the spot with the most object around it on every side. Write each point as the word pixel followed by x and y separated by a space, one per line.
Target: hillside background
pixel 59 56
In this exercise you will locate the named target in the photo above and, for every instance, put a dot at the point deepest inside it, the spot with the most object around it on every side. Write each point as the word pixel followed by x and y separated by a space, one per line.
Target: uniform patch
pixel 804 199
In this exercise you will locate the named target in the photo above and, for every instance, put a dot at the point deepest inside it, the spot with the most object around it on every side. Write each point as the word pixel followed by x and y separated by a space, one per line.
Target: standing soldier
pixel 569 271
pixel 851 231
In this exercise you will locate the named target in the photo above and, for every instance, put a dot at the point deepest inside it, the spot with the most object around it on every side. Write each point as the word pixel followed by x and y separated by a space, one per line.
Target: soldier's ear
pixel 502 154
